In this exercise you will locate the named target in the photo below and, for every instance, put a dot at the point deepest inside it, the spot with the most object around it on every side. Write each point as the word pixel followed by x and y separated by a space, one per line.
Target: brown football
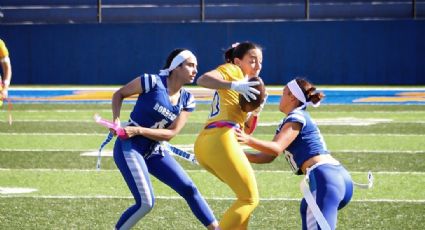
pixel 253 104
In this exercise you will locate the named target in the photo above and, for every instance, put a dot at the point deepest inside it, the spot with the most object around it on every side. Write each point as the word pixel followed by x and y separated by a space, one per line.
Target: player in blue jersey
pixel 327 186
pixel 161 111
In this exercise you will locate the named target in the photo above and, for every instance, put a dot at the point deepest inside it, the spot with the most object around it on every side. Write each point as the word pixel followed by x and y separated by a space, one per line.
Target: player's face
pixel 284 99
pixel 188 70
pixel 251 63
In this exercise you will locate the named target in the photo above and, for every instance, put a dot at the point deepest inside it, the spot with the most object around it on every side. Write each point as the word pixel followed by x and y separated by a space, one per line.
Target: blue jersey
pixel 137 157
pixel 307 144
pixel 153 108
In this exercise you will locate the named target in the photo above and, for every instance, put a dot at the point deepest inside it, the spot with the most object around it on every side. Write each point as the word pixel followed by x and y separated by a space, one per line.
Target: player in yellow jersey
pixel 216 147
pixel 6 71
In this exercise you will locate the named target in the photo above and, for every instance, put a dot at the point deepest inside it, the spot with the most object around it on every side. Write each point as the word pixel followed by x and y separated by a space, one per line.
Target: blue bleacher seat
pixel 420 9
pixel 357 1
pixel 46 2
pixel 254 12
pixel 150 2
pixel 150 14
pixel 360 10
pixel 121 11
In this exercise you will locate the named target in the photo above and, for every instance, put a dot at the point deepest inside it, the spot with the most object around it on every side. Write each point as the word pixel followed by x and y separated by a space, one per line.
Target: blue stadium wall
pixel 326 52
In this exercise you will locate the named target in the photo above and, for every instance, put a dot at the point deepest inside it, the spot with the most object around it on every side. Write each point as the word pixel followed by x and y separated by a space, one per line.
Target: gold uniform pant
pixel 218 151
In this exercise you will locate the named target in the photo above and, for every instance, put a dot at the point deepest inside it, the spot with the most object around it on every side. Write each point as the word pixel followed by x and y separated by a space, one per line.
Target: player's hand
pixel 132 131
pixel 241 136
pixel 244 87
pixel 3 93
pixel 260 108
pixel 117 121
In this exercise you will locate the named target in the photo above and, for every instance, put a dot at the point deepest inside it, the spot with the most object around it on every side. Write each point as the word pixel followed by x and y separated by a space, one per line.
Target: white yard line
pixel 50 120
pixel 206 110
pixel 340 121
pixel 191 134
pixel 208 198
pixel 372 134
pixel 190 146
pixel 380 151
pixel 54 134
pixel 200 170
pixel 47 150
pixel 58 170
pixel 196 88
pixel 66 110
pixel 352 112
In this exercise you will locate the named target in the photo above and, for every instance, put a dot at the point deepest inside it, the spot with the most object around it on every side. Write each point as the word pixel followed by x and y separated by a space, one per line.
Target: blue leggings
pixel 135 170
pixel 332 187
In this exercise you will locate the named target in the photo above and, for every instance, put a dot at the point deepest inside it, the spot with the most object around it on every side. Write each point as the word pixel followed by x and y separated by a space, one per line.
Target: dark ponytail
pixel 309 91
pixel 228 55
pixel 238 50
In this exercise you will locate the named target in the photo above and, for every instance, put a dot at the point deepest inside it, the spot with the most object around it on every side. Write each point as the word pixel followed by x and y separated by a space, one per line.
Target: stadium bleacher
pixel 124 11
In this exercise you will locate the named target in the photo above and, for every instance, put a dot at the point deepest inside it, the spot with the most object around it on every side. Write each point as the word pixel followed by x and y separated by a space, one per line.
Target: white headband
pixel 177 60
pixel 298 93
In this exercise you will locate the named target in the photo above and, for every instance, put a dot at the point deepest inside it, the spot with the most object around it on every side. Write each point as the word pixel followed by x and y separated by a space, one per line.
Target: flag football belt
pixel 222 124
pixel 308 196
pixel 311 201
pixel 159 147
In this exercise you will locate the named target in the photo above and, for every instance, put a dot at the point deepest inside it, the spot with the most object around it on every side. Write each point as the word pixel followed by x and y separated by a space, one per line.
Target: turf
pixel 42 150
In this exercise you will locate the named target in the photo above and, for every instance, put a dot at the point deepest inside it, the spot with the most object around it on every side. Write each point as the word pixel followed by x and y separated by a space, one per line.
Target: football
pixel 253 104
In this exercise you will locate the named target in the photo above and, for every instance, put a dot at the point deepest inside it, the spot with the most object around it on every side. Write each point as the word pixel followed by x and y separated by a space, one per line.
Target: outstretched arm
pixel 260 158
pixel 274 148
pixel 213 80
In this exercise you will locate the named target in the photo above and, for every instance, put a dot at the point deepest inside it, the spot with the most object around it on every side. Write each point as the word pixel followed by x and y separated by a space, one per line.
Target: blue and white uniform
pixel 330 183
pixel 138 156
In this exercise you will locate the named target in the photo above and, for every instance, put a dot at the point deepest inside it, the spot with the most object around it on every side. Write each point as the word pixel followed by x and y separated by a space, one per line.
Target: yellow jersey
pixel 3 50
pixel 225 104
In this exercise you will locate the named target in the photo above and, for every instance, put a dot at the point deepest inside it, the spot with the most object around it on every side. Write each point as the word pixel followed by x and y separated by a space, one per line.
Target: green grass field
pixel 43 147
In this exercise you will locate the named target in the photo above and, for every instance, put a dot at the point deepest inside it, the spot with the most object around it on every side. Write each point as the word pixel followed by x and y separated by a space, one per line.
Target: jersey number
pixel 160 124
pixel 290 158
pixel 215 105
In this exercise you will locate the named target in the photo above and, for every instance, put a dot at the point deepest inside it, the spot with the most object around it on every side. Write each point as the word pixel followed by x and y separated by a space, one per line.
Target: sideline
pixel 334 95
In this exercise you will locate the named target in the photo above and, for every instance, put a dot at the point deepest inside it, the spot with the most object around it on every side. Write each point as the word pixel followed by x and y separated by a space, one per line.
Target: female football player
pixel 7 71
pixel 161 111
pixel 328 186
pixel 216 147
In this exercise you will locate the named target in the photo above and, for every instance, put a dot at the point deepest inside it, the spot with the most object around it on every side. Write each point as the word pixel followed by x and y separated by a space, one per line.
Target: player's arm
pixel 7 75
pixel 251 124
pixel 160 134
pixel 131 88
pixel 252 120
pixel 213 80
pixel 280 141
pixel 260 158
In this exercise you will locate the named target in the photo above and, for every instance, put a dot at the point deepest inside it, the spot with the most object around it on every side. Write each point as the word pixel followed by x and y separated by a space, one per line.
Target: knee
pixel 145 205
pixel 252 201
pixel 187 190
pixel 150 203
pixel 255 200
